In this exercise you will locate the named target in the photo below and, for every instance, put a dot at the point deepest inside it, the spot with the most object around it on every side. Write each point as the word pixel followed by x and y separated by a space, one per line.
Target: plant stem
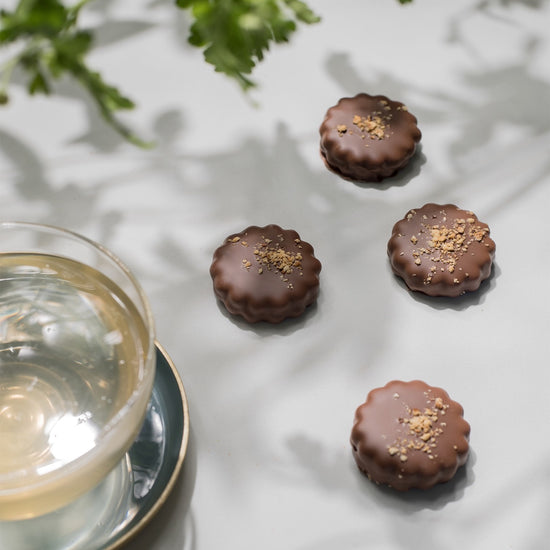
pixel 9 66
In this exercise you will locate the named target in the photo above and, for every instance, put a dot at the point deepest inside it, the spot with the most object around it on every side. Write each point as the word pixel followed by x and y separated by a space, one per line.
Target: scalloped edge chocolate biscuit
pixel 409 435
pixel 265 274
pixel 368 138
pixel 441 250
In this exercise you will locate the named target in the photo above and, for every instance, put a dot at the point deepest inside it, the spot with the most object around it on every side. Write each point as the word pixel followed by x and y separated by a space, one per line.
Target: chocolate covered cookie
pixel 265 274
pixel 367 138
pixel 409 435
pixel 441 250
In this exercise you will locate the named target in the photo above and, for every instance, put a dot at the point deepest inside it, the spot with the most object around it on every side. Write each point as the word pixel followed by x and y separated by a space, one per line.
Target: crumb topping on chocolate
pixel 271 255
pixel 424 429
pixel 438 247
pixel 368 138
pixel 409 434
pixel 373 126
pixel 276 257
pixel 341 129
pixel 265 273
pixel 445 242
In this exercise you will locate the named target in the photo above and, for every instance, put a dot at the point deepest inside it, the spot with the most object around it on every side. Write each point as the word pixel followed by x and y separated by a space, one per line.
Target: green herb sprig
pixel 52 46
pixel 233 34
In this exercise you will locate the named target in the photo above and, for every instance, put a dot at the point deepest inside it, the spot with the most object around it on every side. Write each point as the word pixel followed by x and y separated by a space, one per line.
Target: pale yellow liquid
pixel 72 350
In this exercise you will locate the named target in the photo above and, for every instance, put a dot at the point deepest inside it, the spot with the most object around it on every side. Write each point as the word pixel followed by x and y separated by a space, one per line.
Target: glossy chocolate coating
pixel 441 250
pixel 367 138
pixel 409 435
pixel 265 274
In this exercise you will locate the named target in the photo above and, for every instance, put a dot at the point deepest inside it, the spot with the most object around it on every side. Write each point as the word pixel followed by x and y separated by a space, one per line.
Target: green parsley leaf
pixel 53 47
pixel 235 34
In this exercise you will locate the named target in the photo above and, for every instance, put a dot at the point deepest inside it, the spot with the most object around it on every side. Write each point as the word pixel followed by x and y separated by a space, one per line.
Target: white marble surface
pixel 269 463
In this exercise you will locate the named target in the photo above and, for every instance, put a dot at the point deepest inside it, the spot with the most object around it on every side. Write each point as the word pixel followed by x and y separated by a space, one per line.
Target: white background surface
pixel 269 464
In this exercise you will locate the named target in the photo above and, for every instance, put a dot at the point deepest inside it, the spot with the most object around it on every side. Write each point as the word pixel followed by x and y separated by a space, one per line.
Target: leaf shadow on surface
pixel 254 178
pixel 488 8
pixel 514 96
pixel 58 205
pixel 111 32
pixel 337 472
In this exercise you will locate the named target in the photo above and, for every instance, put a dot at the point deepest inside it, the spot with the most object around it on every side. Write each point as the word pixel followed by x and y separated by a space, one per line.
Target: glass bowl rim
pixel 109 430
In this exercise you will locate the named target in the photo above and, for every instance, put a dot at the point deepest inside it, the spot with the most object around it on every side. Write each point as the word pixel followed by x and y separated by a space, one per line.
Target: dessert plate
pixel 107 517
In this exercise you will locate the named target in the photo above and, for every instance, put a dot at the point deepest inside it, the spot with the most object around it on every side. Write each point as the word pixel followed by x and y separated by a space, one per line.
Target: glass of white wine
pixel 77 365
